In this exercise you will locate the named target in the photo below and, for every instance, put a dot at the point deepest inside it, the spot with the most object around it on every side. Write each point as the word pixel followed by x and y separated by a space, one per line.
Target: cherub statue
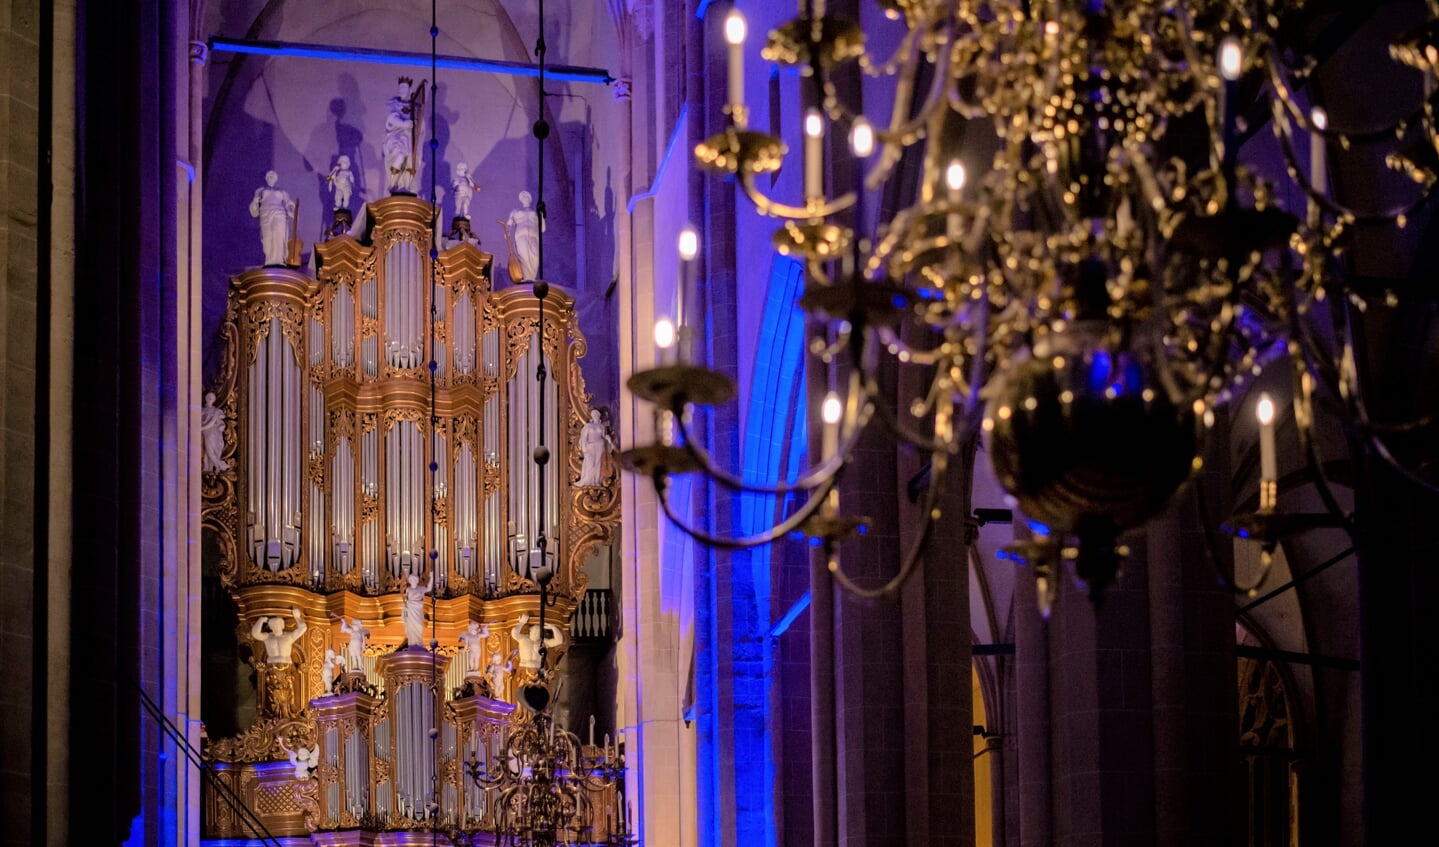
pixel 304 760
pixel 529 641
pixel 333 662
pixel 212 436
pixel 342 182
pixel 497 673
pixel 473 642
pixel 465 189
pixel 355 650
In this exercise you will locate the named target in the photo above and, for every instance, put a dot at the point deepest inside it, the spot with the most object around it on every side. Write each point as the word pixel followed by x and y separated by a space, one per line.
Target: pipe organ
pixel 379 422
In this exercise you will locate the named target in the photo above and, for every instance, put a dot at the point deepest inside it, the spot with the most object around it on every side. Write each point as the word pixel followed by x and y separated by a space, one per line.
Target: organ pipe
pixel 331 412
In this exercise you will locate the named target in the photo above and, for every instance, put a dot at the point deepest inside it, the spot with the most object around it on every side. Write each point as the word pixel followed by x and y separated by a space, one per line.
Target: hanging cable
pixel 434 463
pixel 542 289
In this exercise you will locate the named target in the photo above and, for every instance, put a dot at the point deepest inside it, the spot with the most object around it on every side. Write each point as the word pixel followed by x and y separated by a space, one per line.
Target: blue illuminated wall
pixel 736 680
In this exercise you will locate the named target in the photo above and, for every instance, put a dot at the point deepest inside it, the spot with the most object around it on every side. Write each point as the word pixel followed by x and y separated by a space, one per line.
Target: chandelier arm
pixel 783 528
pixel 1284 133
pixel 1303 346
pixel 894 344
pixel 909 130
pixel 891 66
pixel 1303 403
pixel 863 369
pixel 1360 407
pixel 1285 95
pixel 1211 549
pixel 897 427
pixel 775 209
pixel 814 478
pixel 914 556
pixel 1211 106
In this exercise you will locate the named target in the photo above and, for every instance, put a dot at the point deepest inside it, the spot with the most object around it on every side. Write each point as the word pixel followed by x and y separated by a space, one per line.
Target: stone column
pixel 1127 709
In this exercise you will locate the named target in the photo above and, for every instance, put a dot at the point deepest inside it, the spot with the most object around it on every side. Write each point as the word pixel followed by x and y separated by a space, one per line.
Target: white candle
pixel 954 181
pixel 1231 58
pixel 664 340
pixel 830 412
pixel 1268 462
pixel 1318 170
pixel 1231 64
pixel 689 246
pixel 813 155
pixel 734 35
pixel 592 730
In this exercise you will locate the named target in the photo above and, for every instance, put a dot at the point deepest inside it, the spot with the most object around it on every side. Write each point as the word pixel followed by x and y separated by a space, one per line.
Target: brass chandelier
pixel 1087 303
pixel 544 783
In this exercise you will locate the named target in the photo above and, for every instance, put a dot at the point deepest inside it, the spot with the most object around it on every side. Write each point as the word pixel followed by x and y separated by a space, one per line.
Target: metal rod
pixel 301 50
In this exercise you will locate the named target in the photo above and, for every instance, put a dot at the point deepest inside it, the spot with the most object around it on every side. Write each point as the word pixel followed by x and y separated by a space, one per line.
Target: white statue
pixel 525 226
pixel 342 182
pixel 403 126
pixel 465 189
pixel 355 650
pixel 497 673
pixel 529 641
pixel 212 436
pixel 473 641
pixel 276 211
pixel 333 662
pixel 305 760
pixel 594 438
pixel 413 612
pixel 277 640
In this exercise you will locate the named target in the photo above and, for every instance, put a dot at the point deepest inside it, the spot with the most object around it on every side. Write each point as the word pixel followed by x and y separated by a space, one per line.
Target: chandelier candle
pixel 1318 168
pixel 689 246
pixel 814 157
pixel 954 181
pixel 1268 463
pixel 734 34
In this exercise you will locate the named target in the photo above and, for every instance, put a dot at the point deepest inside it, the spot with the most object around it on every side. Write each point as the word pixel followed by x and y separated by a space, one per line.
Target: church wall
pixel 296 115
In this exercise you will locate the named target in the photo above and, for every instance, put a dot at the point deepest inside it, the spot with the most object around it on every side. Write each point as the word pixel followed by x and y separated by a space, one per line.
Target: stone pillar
pixel 1127 724
pixel 24 598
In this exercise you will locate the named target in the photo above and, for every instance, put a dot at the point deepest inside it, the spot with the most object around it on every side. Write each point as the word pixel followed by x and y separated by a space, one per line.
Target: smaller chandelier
pixel 548 788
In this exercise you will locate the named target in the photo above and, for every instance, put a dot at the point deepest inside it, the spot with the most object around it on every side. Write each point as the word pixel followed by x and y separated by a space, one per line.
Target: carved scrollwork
pixel 258 316
pixel 595 509
pixel 466 428
pixel 254 575
pixel 407 415
pixel 517 338
pixel 489 479
pixel 489 386
pixel 262 741
pixel 315 469
pixel 369 508
pixel 307 797
pixel 342 423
